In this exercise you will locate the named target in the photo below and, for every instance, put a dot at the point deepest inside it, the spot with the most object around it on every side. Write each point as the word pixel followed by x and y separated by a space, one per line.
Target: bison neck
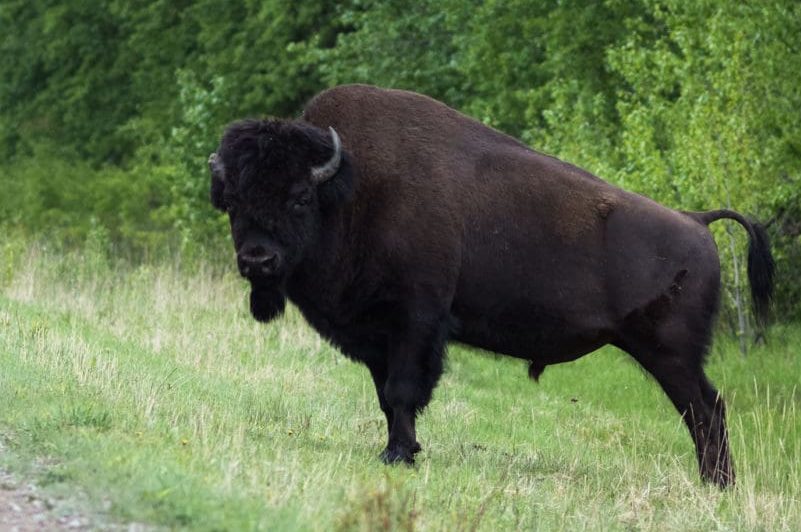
pixel 324 285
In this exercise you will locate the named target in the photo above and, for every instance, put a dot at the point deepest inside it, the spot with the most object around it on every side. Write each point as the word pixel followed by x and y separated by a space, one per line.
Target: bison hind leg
pixel 673 353
pixel 718 455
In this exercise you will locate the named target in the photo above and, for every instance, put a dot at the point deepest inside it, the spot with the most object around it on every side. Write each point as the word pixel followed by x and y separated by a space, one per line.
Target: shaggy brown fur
pixel 437 228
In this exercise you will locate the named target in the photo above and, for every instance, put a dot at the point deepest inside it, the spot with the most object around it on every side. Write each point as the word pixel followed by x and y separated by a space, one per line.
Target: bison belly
pixel 534 302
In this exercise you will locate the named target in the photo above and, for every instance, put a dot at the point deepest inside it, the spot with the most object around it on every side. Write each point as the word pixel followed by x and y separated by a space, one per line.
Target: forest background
pixel 108 109
pixel 137 388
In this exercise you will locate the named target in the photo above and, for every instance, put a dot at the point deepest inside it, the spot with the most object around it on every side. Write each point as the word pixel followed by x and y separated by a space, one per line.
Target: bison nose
pixel 256 260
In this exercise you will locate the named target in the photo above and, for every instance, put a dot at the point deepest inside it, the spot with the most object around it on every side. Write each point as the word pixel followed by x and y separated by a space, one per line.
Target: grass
pixel 152 391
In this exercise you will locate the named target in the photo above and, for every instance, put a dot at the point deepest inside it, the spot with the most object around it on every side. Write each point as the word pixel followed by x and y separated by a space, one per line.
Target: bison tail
pixel 760 260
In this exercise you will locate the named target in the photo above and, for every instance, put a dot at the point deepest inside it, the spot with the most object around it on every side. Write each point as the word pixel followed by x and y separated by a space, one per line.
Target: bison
pixel 396 225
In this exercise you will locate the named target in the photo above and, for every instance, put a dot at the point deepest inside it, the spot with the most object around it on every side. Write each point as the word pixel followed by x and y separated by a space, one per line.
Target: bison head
pixel 277 180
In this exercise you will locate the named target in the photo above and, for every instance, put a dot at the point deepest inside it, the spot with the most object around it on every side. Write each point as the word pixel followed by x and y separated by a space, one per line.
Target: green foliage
pixel 108 109
pixel 64 201
pixel 400 44
pixel 257 47
pixel 700 110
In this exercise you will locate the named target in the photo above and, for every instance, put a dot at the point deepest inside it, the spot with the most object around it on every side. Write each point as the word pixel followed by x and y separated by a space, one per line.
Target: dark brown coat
pixel 446 230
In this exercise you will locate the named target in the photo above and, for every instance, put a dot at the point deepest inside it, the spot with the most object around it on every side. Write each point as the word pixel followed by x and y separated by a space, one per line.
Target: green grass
pixel 153 390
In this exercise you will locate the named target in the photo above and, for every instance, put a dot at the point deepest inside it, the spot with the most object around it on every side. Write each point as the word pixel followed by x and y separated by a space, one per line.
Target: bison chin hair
pixel 266 302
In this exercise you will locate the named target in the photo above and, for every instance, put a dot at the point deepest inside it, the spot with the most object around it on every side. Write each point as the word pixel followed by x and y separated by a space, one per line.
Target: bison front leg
pixel 379 372
pixel 414 365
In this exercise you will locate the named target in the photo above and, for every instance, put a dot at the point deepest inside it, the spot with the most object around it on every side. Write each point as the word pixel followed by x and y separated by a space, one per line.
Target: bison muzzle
pixel 397 224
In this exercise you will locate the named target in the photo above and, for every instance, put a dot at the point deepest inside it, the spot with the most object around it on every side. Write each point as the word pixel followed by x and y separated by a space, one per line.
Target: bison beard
pixel 267 301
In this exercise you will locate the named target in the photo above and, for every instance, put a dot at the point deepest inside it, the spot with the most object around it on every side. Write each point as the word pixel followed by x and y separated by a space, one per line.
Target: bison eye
pixel 302 202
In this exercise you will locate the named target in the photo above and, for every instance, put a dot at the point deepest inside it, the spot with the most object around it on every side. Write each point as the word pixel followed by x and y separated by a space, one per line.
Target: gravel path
pixel 24 508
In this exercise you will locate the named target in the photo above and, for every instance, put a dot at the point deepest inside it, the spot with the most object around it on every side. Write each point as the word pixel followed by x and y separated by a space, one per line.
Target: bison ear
pixel 217 181
pixel 339 188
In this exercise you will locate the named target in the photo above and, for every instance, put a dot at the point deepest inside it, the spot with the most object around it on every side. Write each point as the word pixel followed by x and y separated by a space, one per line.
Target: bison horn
pixel 325 171
pixel 216 167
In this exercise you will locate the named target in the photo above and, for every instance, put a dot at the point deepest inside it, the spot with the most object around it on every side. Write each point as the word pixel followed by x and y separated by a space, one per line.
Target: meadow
pixel 150 390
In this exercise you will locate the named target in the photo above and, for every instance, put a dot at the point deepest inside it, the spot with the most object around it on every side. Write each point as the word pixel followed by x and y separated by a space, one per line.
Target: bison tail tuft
pixel 760 260
pixel 760 271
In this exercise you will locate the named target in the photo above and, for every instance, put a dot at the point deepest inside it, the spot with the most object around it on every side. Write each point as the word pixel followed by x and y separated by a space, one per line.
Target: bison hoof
pixel 397 454
pixel 723 478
